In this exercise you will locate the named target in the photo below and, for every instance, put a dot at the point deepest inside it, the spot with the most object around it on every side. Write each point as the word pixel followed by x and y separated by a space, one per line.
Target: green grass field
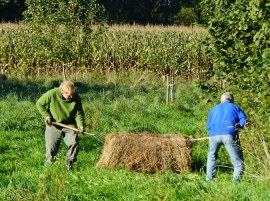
pixel 116 103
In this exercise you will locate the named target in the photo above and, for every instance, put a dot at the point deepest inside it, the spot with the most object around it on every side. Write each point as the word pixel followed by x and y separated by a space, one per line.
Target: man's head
pixel 227 96
pixel 67 89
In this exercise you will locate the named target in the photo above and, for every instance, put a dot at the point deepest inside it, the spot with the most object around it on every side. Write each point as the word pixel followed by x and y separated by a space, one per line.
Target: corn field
pixel 117 48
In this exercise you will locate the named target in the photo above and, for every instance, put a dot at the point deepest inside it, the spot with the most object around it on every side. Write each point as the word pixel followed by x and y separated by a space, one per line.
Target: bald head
pixel 227 96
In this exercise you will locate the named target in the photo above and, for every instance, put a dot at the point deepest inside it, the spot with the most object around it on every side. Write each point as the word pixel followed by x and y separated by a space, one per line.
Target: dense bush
pixel 239 45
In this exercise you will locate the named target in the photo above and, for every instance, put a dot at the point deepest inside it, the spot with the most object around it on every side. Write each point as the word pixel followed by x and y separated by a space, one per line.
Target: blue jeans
pixel 234 150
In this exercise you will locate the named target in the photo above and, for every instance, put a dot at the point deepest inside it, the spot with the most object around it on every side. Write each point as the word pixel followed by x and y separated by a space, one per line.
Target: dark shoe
pixel 69 165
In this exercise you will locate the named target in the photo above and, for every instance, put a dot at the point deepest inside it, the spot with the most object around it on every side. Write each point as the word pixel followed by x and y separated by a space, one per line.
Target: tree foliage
pixel 125 11
pixel 197 8
pixel 141 11
pixel 61 28
pixel 186 16
pixel 81 13
pixel 11 10
pixel 240 48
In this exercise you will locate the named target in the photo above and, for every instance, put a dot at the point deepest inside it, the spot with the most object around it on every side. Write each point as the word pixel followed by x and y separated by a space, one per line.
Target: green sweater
pixel 54 105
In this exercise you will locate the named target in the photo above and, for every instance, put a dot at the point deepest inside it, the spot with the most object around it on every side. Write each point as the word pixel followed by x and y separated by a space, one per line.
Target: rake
pixel 97 136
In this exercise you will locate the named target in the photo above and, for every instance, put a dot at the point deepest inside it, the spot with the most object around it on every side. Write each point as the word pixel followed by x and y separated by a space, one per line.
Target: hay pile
pixel 146 152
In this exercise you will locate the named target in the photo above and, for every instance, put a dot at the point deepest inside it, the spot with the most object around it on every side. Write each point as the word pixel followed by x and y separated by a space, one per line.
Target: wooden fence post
pixel 167 88
pixel 172 88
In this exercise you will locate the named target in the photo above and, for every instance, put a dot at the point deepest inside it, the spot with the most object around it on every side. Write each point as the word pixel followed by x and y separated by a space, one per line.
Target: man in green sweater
pixel 62 105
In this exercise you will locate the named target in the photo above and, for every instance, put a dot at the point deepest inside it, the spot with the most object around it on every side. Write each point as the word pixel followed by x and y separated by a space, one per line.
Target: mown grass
pixel 114 103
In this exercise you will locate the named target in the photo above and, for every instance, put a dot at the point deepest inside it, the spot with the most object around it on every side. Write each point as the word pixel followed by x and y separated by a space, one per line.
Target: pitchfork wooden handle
pixel 199 139
pixel 65 126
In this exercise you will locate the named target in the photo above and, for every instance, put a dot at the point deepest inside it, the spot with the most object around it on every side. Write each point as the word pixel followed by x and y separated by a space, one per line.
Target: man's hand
pixel 81 130
pixel 48 121
pixel 237 127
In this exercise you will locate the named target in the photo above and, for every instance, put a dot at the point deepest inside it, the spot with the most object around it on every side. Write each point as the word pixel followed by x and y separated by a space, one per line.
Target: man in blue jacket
pixel 224 121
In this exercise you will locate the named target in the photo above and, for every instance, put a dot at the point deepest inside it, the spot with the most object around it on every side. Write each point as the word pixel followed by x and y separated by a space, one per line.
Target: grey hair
pixel 67 86
pixel 227 96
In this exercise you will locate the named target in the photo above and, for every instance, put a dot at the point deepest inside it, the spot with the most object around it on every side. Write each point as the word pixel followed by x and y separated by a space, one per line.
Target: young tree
pixel 61 29
pixel 196 7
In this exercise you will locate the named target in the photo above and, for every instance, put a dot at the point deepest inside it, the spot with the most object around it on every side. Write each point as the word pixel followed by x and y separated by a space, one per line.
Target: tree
pixel 11 10
pixel 186 16
pixel 196 7
pixel 141 11
pixel 60 30
pixel 240 48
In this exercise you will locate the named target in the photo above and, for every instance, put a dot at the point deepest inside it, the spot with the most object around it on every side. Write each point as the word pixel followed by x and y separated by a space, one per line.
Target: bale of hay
pixel 146 152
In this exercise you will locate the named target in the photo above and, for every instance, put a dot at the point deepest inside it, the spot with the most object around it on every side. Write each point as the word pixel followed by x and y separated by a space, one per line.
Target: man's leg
pixel 235 152
pixel 52 139
pixel 214 146
pixel 71 140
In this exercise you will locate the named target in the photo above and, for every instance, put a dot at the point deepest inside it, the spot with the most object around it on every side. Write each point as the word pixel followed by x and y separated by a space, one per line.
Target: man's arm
pixel 242 119
pixel 80 117
pixel 208 124
pixel 42 105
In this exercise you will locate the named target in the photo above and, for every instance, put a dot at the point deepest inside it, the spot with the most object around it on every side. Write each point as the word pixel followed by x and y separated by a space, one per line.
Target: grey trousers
pixel 53 136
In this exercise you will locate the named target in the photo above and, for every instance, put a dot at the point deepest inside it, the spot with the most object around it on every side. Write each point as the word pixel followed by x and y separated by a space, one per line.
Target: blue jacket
pixel 223 119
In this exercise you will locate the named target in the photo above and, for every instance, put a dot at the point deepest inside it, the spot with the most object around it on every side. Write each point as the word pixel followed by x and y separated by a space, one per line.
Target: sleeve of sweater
pixel 242 118
pixel 80 118
pixel 208 124
pixel 42 104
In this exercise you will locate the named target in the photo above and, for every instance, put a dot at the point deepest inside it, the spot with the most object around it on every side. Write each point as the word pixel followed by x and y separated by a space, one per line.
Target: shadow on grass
pixel 200 166
pixel 33 89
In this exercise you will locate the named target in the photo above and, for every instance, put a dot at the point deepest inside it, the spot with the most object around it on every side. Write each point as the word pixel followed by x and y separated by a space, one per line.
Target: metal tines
pixel 99 137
